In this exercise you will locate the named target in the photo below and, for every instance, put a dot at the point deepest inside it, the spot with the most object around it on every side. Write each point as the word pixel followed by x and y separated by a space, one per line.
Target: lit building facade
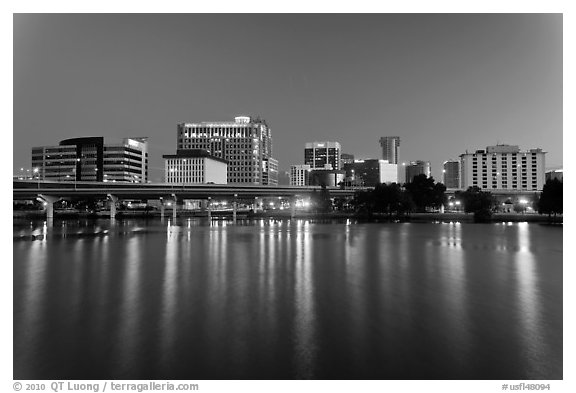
pixel 270 171
pixel 300 175
pixel 194 167
pixel 503 167
pixel 390 148
pixel 416 168
pixel 89 159
pixel 451 174
pixel 370 172
pixel 245 143
pixel 318 154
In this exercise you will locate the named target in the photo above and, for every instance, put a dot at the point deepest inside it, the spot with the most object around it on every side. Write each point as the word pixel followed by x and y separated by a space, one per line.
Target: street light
pixel 75 177
pixel 523 202
pixel 38 178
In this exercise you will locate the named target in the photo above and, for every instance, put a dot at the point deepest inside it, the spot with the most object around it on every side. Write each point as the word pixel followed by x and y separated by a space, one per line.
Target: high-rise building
pixel 245 143
pixel 194 166
pixel 390 148
pixel 89 159
pixel 300 175
pixel 270 171
pixel 503 167
pixel 370 172
pixel 451 174
pixel 318 154
pixel 416 168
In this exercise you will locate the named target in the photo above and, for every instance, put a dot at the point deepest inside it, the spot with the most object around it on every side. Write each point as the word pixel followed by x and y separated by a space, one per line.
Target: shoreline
pixel 413 217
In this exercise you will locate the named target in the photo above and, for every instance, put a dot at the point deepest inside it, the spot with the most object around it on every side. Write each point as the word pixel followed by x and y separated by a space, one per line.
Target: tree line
pixel 425 194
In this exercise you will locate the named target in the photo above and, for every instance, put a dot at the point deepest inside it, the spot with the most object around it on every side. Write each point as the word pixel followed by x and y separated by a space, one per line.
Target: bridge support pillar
pixel 175 201
pixel 49 201
pixel 293 207
pixel 234 207
pixel 113 201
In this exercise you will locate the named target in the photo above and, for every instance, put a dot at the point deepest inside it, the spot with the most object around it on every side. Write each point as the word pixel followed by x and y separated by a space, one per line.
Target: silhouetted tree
pixel 388 198
pixel 425 192
pixel 321 200
pixel 551 199
pixel 384 198
pixel 478 202
pixel 364 202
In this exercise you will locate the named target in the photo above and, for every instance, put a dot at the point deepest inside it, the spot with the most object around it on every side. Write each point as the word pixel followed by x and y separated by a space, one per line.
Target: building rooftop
pixel 239 121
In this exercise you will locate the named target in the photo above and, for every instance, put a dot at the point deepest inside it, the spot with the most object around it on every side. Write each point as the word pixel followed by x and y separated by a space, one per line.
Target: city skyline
pixel 443 83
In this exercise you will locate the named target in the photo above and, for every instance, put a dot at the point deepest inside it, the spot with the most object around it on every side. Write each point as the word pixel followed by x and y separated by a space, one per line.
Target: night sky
pixel 444 83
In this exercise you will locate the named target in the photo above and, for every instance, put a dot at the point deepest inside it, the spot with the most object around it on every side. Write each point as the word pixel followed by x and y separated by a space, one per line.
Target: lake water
pixel 286 299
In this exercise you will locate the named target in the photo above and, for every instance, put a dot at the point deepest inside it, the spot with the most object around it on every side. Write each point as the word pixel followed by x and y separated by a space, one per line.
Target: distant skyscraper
pixel 390 148
pixel 416 168
pixel 245 143
pixel 451 174
pixel 318 154
pixel 503 167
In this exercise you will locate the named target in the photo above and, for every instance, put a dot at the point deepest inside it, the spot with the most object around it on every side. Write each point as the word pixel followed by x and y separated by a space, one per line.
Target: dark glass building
pixel 89 159
pixel 320 154
pixel 416 168
pixel 451 174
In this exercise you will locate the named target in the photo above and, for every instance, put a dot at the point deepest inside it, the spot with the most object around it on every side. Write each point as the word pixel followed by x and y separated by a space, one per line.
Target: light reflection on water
pixel 274 299
pixel 305 346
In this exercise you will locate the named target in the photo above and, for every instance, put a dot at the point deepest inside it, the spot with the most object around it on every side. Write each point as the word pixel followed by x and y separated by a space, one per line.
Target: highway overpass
pixel 52 191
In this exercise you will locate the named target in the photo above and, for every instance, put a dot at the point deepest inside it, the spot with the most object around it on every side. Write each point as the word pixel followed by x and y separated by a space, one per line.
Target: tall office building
pixel 503 167
pixel 318 154
pixel 245 143
pixel 451 174
pixel 416 168
pixel 390 148
pixel 89 159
